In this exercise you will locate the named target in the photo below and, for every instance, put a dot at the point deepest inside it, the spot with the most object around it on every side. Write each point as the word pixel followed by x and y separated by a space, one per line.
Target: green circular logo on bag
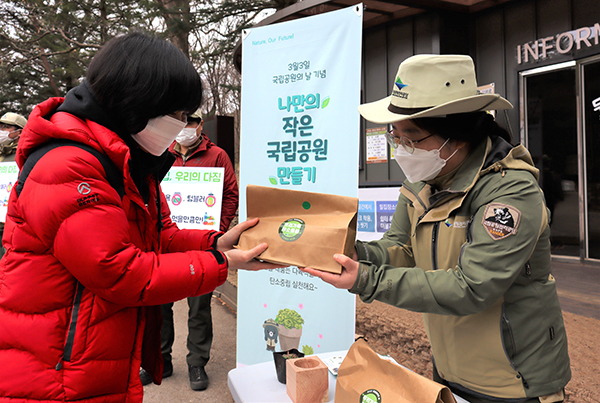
pixel 370 396
pixel 291 229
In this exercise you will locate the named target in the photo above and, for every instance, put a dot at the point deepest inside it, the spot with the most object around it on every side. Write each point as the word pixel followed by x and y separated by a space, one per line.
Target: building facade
pixel 542 55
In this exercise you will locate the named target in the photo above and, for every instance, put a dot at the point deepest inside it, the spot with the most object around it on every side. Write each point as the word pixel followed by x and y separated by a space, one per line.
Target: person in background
pixel 469 241
pixel 88 262
pixel 192 148
pixel 11 125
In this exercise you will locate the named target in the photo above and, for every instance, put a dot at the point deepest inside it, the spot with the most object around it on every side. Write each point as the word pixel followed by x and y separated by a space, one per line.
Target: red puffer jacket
pixel 81 275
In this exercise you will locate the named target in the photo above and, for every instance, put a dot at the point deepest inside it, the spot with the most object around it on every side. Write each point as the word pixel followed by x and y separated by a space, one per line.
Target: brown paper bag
pixel 303 229
pixel 365 377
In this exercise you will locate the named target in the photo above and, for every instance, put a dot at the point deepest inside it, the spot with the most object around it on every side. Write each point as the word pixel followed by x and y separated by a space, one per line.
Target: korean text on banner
pixel 195 195
pixel 299 131
pixel 9 173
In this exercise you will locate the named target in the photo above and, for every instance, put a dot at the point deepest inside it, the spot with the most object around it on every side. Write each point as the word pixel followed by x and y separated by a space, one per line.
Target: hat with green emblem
pixel 432 86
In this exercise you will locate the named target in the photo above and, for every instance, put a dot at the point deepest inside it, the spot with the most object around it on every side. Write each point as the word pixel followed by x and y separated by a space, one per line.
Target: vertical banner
pixel 299 131
pixel 195 196
pixel 9 173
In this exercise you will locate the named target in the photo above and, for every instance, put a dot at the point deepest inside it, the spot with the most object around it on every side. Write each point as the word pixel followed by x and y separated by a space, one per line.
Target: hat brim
pixel 10 123
pixel 378 112
pixel 13 123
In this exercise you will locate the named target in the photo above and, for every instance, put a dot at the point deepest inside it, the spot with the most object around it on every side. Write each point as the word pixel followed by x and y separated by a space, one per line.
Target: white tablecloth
pixel 258 383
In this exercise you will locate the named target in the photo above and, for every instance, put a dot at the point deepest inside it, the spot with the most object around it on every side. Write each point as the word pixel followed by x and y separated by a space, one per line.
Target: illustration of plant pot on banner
pixel 290 328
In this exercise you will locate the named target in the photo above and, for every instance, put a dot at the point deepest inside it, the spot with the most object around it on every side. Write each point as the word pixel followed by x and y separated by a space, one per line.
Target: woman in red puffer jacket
pixel 86 267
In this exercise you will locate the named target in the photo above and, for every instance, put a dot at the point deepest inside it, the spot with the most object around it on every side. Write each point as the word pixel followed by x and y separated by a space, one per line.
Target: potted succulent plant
pixel 290 328
pixel 280 358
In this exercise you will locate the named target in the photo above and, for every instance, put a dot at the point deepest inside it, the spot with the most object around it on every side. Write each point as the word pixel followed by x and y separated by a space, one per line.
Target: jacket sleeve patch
pixel 500 220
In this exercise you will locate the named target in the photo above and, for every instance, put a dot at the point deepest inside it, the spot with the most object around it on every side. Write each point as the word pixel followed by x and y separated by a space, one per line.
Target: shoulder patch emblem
pixel 501 220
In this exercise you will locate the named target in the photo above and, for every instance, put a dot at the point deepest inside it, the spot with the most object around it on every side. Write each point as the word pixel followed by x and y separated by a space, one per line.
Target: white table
pixel 258 383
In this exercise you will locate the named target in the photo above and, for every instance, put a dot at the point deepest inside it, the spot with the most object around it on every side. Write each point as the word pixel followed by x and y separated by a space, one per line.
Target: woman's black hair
pixel 471 127
pixel 138 77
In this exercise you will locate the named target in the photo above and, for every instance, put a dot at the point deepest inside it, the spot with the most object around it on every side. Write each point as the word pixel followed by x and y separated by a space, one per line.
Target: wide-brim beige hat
pixel 197 114
pixel 432 86
pixel 13 119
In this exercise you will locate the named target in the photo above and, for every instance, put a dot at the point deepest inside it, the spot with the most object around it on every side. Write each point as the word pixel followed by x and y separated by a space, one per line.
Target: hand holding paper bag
pixel 302 228
pixel 346 279
pixel 240 259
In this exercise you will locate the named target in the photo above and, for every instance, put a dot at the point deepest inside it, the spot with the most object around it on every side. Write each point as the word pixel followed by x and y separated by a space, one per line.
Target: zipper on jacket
pixel 528 270
pixel 418 221
pixel 434 233
pixel 68 350
pixel 422 204
pixel 470 230
pixel 525 384
pixel 514 349
pixel 469 236
pixel 512 337
pixel 159 216
pixel 416 196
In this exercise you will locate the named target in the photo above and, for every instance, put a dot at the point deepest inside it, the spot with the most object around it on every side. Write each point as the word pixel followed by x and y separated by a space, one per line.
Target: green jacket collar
pixel 9 148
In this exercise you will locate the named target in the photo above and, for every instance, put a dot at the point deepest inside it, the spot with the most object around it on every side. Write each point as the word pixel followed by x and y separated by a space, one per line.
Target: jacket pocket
pixel 508 338
pixel 68 348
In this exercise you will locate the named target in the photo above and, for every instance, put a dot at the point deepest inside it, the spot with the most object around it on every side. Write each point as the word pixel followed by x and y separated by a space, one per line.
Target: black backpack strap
pixel 113 174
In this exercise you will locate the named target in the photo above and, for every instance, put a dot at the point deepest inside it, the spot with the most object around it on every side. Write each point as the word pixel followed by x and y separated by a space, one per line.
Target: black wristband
pixel 214 244
pixel 218 256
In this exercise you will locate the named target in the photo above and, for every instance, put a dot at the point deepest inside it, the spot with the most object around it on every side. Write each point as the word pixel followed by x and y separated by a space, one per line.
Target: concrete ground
pixel 578 290
pixel 578 287
pixel 176 388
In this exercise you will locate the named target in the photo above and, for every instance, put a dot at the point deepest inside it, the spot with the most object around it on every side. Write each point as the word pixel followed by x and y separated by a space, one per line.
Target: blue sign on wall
pixel 385 211
pixel 366 216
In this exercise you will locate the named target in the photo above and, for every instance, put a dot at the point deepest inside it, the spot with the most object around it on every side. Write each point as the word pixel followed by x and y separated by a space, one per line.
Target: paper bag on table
pixel 303 229
pixel 366 377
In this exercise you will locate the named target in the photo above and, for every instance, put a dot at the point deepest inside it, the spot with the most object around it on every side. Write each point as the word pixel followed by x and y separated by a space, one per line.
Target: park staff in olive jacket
pixel 469 242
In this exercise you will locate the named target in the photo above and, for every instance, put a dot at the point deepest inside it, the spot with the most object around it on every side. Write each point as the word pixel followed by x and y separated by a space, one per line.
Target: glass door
pixel 549 130
pixel 590 84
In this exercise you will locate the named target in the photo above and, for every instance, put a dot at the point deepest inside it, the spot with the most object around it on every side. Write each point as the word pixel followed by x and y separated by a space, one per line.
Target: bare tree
pixel 176 15
pixel 45 46
pixel 215 30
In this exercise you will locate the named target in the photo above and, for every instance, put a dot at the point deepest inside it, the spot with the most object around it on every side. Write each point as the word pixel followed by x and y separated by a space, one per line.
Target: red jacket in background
pixel 208 154
pixel 85 270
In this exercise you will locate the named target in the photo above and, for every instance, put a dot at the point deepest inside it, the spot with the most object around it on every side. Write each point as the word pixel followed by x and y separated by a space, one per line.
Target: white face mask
pixel 4 139
pixel 158 134
pixel 421 165
pixel 187 136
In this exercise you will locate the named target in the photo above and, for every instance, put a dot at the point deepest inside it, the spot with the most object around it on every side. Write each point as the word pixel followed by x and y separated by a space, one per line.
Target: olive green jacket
pixel 7 152
pixel 475 259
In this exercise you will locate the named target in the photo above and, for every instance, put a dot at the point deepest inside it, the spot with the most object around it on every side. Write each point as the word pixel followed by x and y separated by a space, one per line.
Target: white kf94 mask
pixel 158 134
pixel 421 165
